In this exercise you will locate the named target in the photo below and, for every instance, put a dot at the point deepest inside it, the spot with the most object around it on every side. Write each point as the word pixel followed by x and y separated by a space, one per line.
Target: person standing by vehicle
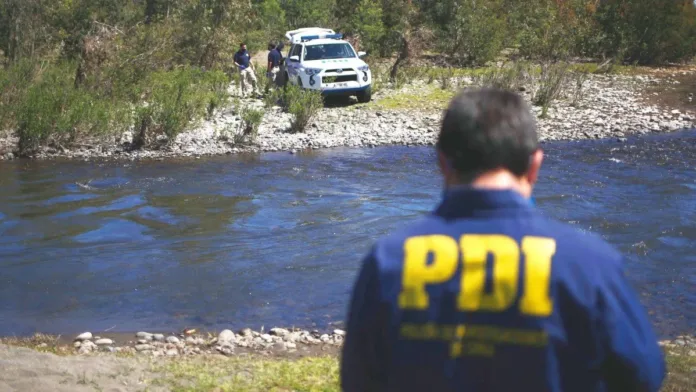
pixel 486 293
pixel 273 66
pixel 242 59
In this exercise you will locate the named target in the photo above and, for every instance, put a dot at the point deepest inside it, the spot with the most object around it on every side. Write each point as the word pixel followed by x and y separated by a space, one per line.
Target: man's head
pixel 242 46
pixel 271 46
pixel 488 139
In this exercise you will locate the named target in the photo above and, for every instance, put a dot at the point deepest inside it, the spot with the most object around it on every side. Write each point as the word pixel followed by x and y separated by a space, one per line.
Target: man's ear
pixel 534 166
pixel 443 162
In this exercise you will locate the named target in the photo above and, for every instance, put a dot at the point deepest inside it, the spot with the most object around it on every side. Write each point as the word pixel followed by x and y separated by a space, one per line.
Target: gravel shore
pixel 612 106
pixel 284 342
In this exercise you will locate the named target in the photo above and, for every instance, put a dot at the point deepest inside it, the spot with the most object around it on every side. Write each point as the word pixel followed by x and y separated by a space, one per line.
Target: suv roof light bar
pixel 305 38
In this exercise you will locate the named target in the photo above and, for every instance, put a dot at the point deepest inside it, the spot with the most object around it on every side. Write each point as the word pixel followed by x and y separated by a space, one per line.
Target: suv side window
pixel 297 51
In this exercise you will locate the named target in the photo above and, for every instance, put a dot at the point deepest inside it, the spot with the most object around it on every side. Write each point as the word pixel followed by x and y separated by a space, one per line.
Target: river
pixel 276 239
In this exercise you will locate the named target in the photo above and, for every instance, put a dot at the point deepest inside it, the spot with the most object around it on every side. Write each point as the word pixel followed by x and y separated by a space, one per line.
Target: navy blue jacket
pixel 242 57
pixel 274 58
pixel 485 294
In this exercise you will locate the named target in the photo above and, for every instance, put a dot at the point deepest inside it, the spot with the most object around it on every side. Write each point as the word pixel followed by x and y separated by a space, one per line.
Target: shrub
pixel 175 99
pixel 53 110
pixel 251 120
pixel 508 77
pixel 551 81
pixel 473 32
pixel 579 78
pixel 302 104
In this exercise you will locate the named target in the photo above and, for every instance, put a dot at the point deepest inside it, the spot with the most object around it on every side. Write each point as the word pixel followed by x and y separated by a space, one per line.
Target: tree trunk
pixel 404 55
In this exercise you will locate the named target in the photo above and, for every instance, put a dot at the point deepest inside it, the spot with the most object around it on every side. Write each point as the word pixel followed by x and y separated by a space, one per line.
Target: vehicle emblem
pixel 339 71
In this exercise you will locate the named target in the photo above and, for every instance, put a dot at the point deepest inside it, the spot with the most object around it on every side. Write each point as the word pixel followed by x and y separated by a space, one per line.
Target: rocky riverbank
pixel 275 341
pixel 290 342
pixel 280 359
pixel 607 106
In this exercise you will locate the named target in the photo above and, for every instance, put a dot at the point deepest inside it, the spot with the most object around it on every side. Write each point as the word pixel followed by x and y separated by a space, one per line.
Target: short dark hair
pixel 272 45
pixel 242 44
pixel 487 129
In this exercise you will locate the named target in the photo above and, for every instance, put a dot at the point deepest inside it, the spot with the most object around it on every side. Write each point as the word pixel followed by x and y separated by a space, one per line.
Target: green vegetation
pixel 77 69
pixel 251 374
pixel 319 374
pixel 303 104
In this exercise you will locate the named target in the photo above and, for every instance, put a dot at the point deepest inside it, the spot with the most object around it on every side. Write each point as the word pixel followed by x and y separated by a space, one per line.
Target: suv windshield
pixel 328 51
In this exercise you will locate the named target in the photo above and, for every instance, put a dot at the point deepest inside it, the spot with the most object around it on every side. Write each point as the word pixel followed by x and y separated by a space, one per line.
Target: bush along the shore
pixel 174 99
pixel 45 105
pixel 302 104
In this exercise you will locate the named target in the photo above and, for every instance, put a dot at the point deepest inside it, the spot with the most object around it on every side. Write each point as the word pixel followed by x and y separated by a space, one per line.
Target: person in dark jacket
pixel 273 66
pixel 242 59
pixel 487 294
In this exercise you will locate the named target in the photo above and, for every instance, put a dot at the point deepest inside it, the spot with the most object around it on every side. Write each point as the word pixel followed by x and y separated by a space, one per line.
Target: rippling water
pixel 277 239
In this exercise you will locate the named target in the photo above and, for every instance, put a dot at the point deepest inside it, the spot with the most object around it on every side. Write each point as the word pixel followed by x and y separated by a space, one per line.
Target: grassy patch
pixel 428 98
pixel 251 374
pixel 681 371
pixel 322 374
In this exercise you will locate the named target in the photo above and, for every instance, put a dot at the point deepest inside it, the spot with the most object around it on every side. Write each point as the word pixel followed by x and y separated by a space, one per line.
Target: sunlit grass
pixel 250 374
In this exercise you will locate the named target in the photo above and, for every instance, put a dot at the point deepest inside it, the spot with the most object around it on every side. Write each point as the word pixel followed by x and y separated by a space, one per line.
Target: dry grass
pixel 40 342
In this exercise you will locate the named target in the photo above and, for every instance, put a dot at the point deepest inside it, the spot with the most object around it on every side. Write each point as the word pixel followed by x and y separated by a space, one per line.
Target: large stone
pixel 172 339
pixel 226 336
pixel 104 342
pixel 279 332
pixel 84 336
pixel 144 335
pixel 143 347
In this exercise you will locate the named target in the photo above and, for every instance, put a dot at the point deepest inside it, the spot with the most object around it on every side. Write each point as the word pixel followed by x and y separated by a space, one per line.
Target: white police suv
pixel 319 59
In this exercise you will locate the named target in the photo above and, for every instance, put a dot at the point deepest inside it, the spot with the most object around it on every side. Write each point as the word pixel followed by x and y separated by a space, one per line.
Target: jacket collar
pixel 463 201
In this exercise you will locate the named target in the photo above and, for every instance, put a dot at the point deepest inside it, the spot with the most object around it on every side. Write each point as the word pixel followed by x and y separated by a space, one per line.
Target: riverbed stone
pixel 158 337
pixel 84 336
pixel 226 335
pixel 172 339
pixel 143 347
pixel 144 335
pixel 279 332
pixel 87 347
pixel 104 342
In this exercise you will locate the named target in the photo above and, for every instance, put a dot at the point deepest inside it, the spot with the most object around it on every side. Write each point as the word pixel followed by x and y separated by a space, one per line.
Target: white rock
pixel 84 336
pixel 143 347
pixel 172 339
pixel 158 337
pixel 104 342
pixel 226 336
pixel 172 352
pixel 339 332
pixel 279 332
pixel 144 335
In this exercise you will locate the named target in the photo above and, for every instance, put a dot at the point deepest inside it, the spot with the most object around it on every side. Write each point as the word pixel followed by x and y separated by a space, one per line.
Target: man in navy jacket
pixel 486 294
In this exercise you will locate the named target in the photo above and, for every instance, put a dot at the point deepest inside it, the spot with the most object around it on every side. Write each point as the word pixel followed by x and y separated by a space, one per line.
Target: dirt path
pixel 25 370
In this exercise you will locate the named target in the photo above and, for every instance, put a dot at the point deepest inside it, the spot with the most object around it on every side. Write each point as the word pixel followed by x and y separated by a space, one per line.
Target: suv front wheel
pixel 365 96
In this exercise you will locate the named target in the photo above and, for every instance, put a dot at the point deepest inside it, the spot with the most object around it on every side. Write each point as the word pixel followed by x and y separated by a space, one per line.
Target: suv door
pixel 293 66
